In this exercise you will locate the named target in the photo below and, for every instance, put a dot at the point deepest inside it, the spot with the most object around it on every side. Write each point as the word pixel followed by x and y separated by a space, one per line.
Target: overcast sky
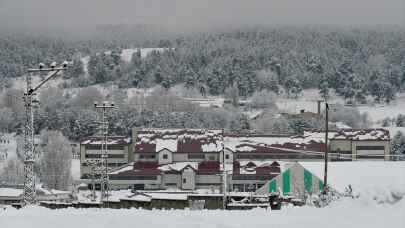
pixel 200 12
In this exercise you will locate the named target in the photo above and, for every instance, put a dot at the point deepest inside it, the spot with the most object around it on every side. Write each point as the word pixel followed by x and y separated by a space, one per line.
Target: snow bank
pixel 376 180
pixel 349 213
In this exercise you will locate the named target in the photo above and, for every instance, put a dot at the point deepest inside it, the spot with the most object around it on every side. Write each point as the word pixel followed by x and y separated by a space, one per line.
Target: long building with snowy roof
pixel 191 159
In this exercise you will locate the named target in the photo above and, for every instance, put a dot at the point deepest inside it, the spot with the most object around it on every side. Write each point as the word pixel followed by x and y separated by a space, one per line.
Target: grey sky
pixel 205 13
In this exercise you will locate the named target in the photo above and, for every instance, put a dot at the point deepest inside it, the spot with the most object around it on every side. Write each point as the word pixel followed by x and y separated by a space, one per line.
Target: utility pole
pixel 104 150
pixel 325 177
pixel 29 195
pixel 224 180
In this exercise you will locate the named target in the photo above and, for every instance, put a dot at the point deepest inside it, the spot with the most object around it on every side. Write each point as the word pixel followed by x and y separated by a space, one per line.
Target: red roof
pixel 141 168
pixel 179 140
pixel 208 167
pixel 255 170
pixel 145 148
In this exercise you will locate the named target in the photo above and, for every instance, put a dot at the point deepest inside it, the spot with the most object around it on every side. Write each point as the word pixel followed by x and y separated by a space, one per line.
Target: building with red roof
pixel 191 159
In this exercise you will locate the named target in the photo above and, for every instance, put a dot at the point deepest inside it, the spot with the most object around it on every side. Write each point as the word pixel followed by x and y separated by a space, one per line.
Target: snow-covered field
pixel 346 213
pixel 379 112
pixel 371 180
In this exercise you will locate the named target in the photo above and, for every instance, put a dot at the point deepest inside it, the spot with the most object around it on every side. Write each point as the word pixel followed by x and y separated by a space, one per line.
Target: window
pixel 370 147
pixel 109 147
pixel 146 156
pixel 226 156
pixel 116 156
pixel 165 156
pixel 123 177
pixel 184 180
pixel 195 156
pixel 211 158
pixel 109 156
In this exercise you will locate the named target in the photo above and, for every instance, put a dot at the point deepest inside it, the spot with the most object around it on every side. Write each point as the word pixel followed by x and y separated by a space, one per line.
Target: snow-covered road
pixel 348 213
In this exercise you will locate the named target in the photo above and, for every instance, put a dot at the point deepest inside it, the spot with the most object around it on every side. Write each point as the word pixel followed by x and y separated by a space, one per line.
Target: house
pixel 248 176
pixel 166 146
pixel 149 175
pixel 119 152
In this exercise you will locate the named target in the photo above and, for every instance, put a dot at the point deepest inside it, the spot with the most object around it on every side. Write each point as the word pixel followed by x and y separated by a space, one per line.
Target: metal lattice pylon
pixel 104 179
pixel 29 175
pixel 29 195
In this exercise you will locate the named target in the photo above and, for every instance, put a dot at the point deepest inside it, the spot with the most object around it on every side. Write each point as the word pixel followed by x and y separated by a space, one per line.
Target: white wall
pixel 188 179
pixel 169 154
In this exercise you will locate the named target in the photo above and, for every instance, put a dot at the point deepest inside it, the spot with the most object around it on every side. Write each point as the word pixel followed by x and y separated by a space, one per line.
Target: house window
pixel 184 180
pixel 370 147
pixel 195 156
pixel 211 158
pixel 146 156
pixel 165 156
pixel 226 156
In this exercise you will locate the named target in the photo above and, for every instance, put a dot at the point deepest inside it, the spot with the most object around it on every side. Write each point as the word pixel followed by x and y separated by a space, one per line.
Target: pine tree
pixel 293 86
pixel 324 88
pixel 398 146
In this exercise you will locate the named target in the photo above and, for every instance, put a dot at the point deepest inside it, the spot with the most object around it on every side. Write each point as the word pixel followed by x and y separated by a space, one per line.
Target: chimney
pixel 319 106
pixel 302 111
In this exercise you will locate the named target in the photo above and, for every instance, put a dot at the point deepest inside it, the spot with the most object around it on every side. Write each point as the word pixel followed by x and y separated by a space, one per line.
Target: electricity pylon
pixel 29 196
pixel 104 150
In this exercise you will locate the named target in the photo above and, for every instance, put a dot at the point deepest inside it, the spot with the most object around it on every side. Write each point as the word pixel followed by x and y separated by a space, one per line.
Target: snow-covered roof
pixel 377 134
pixel 178 140
pixel 270 143
pixel 153 168
pixel 111 140
pixel 10 192
pixel 178 166
pixel 126 54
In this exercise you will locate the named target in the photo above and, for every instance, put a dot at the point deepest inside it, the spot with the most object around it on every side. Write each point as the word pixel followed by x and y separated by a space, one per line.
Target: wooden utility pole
pixel 224 180
pixel 325 177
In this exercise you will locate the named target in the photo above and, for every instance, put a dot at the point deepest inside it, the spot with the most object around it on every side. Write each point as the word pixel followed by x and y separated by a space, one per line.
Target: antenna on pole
pixel 29 195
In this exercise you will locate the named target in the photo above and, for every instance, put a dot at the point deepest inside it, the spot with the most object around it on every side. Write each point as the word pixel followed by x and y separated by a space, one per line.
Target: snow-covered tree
pixel 232 94
pixel 263 99
pixel 398 146
pixel 55 161
pixel 293 86
pixel 12 172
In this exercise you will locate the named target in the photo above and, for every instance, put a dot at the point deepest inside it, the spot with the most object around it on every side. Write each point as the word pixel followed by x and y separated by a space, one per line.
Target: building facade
pixel 119 153
pixel 194 159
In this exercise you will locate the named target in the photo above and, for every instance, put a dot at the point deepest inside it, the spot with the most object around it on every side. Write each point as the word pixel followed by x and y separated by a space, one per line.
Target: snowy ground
pixel 347 213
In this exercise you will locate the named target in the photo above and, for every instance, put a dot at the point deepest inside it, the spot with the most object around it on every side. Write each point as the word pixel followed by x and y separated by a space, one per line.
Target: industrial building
pixel 195 159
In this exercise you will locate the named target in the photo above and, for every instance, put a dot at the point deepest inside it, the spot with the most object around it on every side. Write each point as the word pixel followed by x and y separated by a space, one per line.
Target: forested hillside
pixel 256 63
pixel 354 62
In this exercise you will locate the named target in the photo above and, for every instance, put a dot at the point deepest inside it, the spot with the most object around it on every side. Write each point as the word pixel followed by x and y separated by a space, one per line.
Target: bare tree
pixel 13 172
pixel 56 160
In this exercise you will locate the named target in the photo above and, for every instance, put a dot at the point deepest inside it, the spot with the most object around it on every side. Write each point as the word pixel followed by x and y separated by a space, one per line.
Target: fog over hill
pixel 191 14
